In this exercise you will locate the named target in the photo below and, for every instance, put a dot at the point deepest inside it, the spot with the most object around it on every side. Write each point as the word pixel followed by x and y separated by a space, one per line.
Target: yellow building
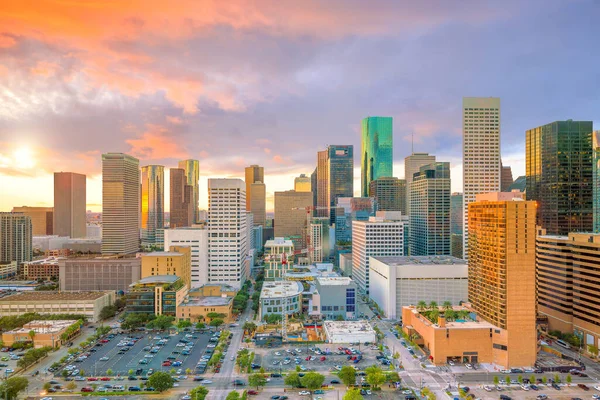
pixel 207 299
pixel 43 333
pixel 176 261
pixel 501 247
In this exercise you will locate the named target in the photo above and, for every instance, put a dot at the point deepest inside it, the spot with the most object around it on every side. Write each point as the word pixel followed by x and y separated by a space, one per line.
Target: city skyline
pixel 317 93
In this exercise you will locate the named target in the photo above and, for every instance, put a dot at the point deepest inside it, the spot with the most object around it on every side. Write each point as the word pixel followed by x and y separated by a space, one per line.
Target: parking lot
pixel 274 359
pixel 8 363
pixel 146 352
pixel 516 393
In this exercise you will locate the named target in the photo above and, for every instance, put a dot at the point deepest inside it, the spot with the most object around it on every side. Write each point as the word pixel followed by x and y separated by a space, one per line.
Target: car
pixel 105 379
pixel 466 389
pixel 87 389
pixel 149 356
pixel 487 388
pixel 239 382
pixel 583 386
pixel 92 379
pixel 596 397
pixel 166 364
pixel 104 358
pixel 505 397
pixel 334 382
pixel 304 393
pixel 368 391
pixel 319 391
pixel 79 378
pixel 134 389
pixel 277 353
pixel 143 361
pixel 46 398
pixel 451 363
pixel 323 358
pixel 525 387
pixel 555 386
pixel 469 366
pixel 542 397
pixel 534 387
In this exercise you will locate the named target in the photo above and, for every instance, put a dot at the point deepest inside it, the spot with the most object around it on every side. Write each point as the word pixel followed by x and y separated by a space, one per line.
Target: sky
pixel 234 83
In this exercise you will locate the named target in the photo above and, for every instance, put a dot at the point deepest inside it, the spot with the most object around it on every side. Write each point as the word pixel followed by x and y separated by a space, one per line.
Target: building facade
pixel 302 183
pixel 153 203
pixel 196 237
pixel 322 204
pixel 181 197
pixel 595 180
pixel 456 224
pixel 15 238
pixel 430 210
pixel 279 297
pixel 377 150
pixel 290 216
pixel 279 256
pixel 559 175
pixel 481 153
pixel 158 295
pixel 176 261
pixel 389 193
pixel 412 165
pixel 120 204
pixel 258 203
pixel 192 174
pixel 337 297
pixel 46 268
pixel 506 178
pixel 340 175
pixel 69 215
pixel 47 333
pixel 98 274
pixel 41 219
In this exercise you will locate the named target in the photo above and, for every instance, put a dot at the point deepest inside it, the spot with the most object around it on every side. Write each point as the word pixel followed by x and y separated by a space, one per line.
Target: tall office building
pixel 340 175
pixel 192 174
pixel 412 164
pixel 302 183
pixel 69 204
pixel 567 278
pixel 256 201
pixel 181 197
pixel 15 238
pixel 502 272
pixel 322 183
pixel 376 151
pixel 559 175
pixel 319 240
pixel 382 235
pixel 430 210
pixel 291 216
pixel 506 178
pixel 42 219
pixel 481 153
pixel 197 239
pixel 120 204
pixel 456 225
pixel 227 230
pixel 389 193
pixel 351 209
pixel 313 185
pixel 153 203
pixel 596 180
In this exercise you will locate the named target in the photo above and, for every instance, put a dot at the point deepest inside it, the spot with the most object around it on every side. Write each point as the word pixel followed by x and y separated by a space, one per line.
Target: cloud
pixel 156 143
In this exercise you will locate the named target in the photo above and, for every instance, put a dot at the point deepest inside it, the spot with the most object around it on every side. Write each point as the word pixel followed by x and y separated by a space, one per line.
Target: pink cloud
pixel 282 160
pixel 267 150
pixel 6 41
pixel 174 120
pixel 156 144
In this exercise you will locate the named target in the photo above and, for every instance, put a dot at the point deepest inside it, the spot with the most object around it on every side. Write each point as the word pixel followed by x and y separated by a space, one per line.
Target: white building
pixel 412 164
pixel 227 243
pixel 197 238
pixel 404 281
pixel 49 242
pixel 276 297
pixel 481 153
pixel 279 254
pixel 382 235
pixel 93 231
pixel 349 332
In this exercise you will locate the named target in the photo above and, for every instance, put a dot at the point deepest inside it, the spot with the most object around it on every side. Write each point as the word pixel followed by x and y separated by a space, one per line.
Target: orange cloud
pixel 156 144
pixel 6 41
pixel 45 68
pixel 174 120
pixel 282 160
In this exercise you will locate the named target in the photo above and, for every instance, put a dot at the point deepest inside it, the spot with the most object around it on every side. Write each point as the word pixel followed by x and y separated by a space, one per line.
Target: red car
pixel 92 379
pixel 104 341
pixel 307 358
pixel 87 389
pixel 340 348
pixel 166 364
pixel 348 352
pixel 105 378
pixel 253 392
pixel 323 358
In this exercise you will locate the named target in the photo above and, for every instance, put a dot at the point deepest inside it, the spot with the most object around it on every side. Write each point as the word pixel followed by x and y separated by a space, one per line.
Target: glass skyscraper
pixel 559 168
pixel 153 202
pixel 340 179
pixel 377 151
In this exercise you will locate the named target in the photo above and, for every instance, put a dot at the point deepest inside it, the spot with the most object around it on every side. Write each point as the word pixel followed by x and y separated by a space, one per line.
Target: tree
pixel 233 396
pixel 108 312
pixel 520 379
pixel 47 386
pixel 249 327
pixel 160 381
pixel 433 305
pixel 544 379
pixel 556 378
pixel 130 372
pixel 182 324
pixel 353 394
pixel 496 380
pixel 507 380
pixel 462 394
pixel 173 370
pixel 31 334
pixel 312 380
pixel 375 376
pixel 120 303
pixel 298 369
pixel 348 375
pixel 429 395
pixel 198 393
pixel 71 385
pixel 392 376
pixel 200 325
pixel 13 386
pixel 109 372
pixel 134 321
pixel 82 372
pixel 161 322
pixel 216 323
pixel 257 380
pixel 593 350
pixel 447 305
pixel 188 371
pixel 569 378
pixel 421 305
pixel 65 373
pixel 214 315
pixel 293 379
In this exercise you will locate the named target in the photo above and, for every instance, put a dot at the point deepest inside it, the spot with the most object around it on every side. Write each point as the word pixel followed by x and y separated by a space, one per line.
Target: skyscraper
pixel 227 230
pixel 15 238
pixel 502 235
pixel 340 175
pixel 412 164
pixel 302 183
pixel 389 193
pixel 120 204
pixel 481 153
pixel 69 204
pixel 430 210
pixel 256 202
pixel 153 203
pixel 559 175
pixel 290 216
pixel 41 219
pixel 595 179
pixel 506 178
pixel 192 174
pixel 322 184
pixel 377 150
pixel 181 199
pixel 456 224
pixel 313 186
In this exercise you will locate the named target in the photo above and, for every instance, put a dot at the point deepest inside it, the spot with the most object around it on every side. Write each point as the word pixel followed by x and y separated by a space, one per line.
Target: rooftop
pixel 279 241
pixel 39 326
pixel 280 289
pixel 420 260
pixel 157 279
pixel 334 281
pixel 163 254
pixel 349 327
pixel 459 324
pixel 209 301
pixel 49 260
pixel 32 296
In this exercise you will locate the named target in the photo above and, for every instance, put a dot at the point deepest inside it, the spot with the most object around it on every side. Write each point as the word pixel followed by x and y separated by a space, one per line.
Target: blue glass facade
pixel 377 151
pixel 340 175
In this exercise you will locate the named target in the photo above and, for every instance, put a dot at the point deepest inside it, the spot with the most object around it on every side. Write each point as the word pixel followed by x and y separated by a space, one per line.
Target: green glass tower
pixel 377 151
pixel 559 168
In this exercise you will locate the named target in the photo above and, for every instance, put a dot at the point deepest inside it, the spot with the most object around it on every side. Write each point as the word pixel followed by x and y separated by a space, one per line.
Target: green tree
pixel 392 376
pixel 593 350
pixel 447 305
pixel 47 386
pixel 108 312
pixel 429 395
pixel 312 380
pixel 172 371
pixel 496 380
pixel 520 379
pixel 257 380
pixel 375 376
pixel 233 396
pixel 161 322
pixel 64 373
pixel 198 393
pixel 182 324
pixel 188 371
pixel 216 323
pixel 31 334
pixel 544 379
pixel 109 372
pixel 13 386
pixel 82 372
pixel 160 381
pixel 433 305
pixel 120 303
pixel 507 380
pixel 569 379
pixel 213 315
pixel 249 327
pixel 130 372
pixel 348 375
pixel 298 369
pixel 353 394
pixel 421 305
pixel 200 325
pixel 71 385
pixel 462 394
pixel 134 321
pixel 556 378
pixel 293 380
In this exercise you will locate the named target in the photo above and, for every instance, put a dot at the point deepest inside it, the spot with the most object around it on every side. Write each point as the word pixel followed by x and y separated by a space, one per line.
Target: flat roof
pixel 481 324
pixel 162 254
pixel 49 260
pixel 334 280
pixel 157 279
pixel 278 241
pixel 43 326
pixel 272 290
pixel 32 296
pixel 350 327
pixel 397 261
pixel 207 301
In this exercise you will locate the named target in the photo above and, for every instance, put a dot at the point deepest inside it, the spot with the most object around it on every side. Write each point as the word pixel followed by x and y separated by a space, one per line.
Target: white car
pixel 180 345
pixel 597 387
pixel 46 398
pixel 368 391
pixel 210 346
pixel 104 358
pixel 595 397
pixel 298 351
pixel 179 371
pixel 9 370
pixel 304 393
pixel 149 356
pixel 288 351
pixel 277 353
pixel 232 358
pixel 487 388
pixel 451 363
pixel 525 387
pixel 176 385
pixel 469 366
pixel 206 382
pixel 505 371
pixel 286 362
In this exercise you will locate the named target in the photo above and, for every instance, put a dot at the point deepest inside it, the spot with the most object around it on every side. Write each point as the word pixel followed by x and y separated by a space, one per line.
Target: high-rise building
pixel 120 204
pixel 181 199
pixel 258 203
pixel 192 174
pixel 506 178
pixel 567 278
pixel 69 204
pixel 382 235
pixel 352 209
pixel 290 216
pixel 519 184
pixel 389 193
pixel 15 238
pixel 595 180
pixel 481 153
pixel 313 185
pixel 456 225
pixel 430 210
pixel 412 164
pixel 227 243
pixel 302 183
pixel 502 272
pixel 41 219
pixel 320 249
pixel 559 175
pixel 322 184
pixel 153 203
pixel 377 151
pixel 340 175
pixel 196 237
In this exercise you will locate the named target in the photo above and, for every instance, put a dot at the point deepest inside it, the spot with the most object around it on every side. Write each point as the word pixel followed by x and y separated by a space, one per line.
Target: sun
pixel 23 158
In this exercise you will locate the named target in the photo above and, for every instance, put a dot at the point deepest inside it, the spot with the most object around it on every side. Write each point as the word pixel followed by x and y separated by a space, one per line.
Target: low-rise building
pixel 346 263
pixel 101 273
pixel 349 332
pixel 337 297
pixel 43 333
pixel 176 261
pixel 88 304
pixel 279 255
pixel 402 281
pixel 46 268
pixel 277 297
pixel 207 299
pixel 158 295
pixel 8 269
